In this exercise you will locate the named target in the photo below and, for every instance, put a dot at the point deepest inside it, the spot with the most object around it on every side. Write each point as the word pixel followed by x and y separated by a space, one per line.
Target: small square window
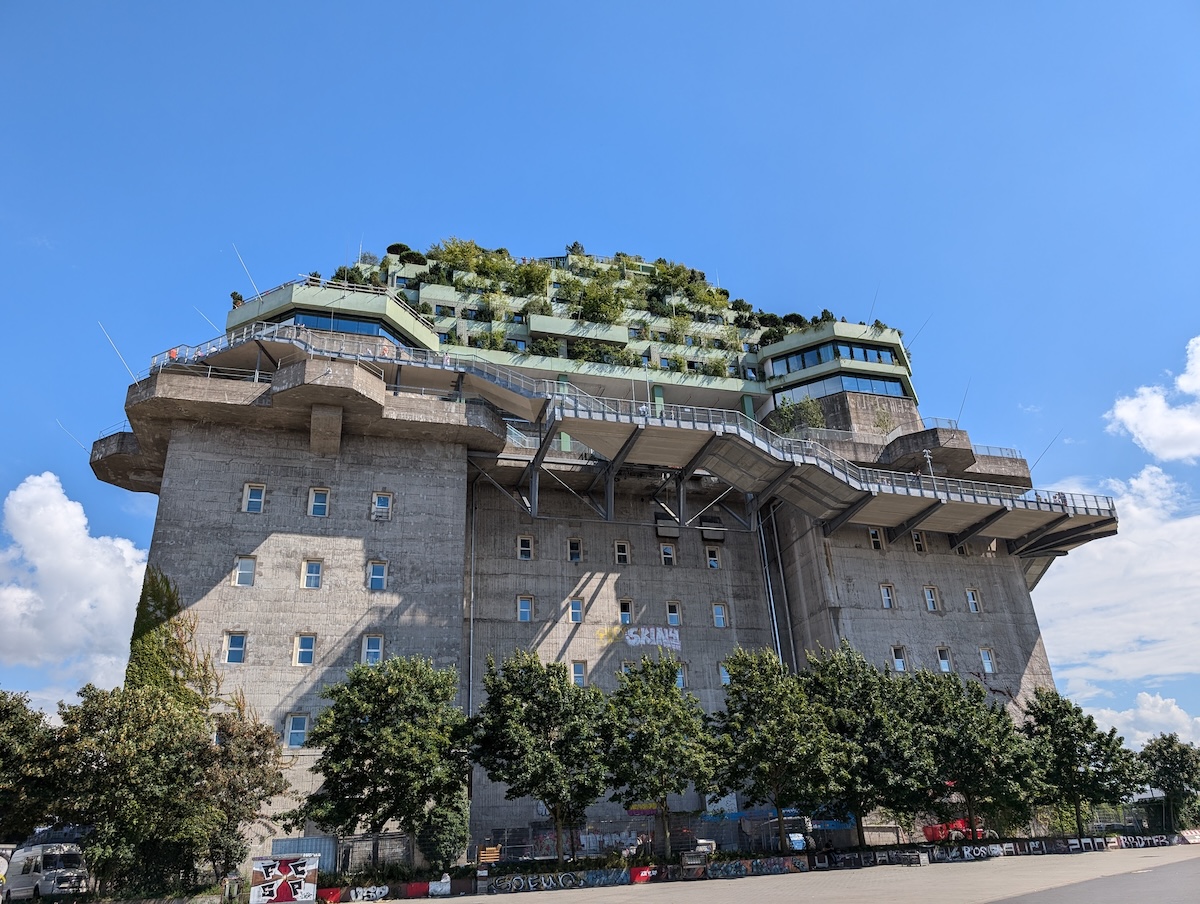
pixel 887 593
pixel 381 506
pixel 931 599
pixel 243 571
pixel 720 616
pixel 579 673
pixel 574 550
pixel 312 574
pixel 318 502
pixel 963 549
pixel 525 548
pixel 576 611
pixel 724 673
pixel 681 676
pixel 235 648
pixel 973 602
pixel 898 662
pixel 945 664
pixel 306 646
pixel 664 363
pixel 673 617
pixel 918 538
pixel 876 537
pixel 667 550
pixel 626 612
pixel 988 660
pixel 297 730
pixel 713 555
pixel 443 310
pixel 372 649
pixel 377 575
pixel 621 552
pixel 253 497
pixel 524 608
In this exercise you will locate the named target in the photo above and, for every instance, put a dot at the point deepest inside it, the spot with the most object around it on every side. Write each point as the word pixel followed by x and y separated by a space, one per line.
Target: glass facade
pixel 830 351
pixel 340 323
pixel 886 386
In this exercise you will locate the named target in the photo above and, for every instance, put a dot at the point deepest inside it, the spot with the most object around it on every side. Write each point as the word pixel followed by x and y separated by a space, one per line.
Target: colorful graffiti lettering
pixel 668 638
pixel 540 882
pixel 369 893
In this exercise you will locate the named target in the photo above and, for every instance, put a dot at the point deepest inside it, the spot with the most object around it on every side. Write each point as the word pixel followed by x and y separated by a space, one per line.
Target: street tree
pixel 542 736
pixel 392 747
pixel 658 744
pixel 771 740
pixel 23 742
pixel 884 762
pixel 1172 766
pixel 979 758
pixel 1081 765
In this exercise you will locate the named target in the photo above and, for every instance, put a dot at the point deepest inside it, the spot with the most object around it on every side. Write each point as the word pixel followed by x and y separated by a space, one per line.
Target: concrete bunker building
pixel 356 471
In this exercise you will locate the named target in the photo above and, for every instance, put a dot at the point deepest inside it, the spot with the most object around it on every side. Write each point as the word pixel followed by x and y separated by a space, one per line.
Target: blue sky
pixel 1013 185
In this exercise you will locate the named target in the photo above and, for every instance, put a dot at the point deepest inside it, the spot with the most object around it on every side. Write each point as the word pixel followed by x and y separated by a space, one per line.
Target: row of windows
pixel 312 572
pixel 945 660
pixel 254 499
pixel 829 351
pixel 668 553
pixel 931 596
pixel 304 648
pixel 721 615
pixel 885 386
pixel 877 538
pixel 296 725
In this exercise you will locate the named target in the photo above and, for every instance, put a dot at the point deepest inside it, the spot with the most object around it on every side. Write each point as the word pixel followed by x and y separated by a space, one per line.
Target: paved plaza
pixel 1169 875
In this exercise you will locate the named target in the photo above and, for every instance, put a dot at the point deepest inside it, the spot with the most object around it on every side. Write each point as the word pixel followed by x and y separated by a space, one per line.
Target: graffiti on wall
pixel 276 880
pixel 369 893
pixel 667 638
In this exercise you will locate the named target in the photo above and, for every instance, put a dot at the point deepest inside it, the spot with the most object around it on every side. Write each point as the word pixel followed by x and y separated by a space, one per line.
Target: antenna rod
pixel 873 300
pixel 964 401
pixel 210 323
pixel 1047 449
pixel 244 267
pixel 115 349
pixel 70 434
pixel 914 338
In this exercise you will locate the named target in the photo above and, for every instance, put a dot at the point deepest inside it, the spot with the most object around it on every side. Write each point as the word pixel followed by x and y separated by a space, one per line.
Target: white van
pixel 46 872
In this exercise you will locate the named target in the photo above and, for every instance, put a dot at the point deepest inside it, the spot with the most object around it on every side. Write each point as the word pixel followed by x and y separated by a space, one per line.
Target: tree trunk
pixel 858 825
pixel 375 850
pixel 971 816
pixel 664 811
pixel 1078 820
pixel 558 835
pixel 782 831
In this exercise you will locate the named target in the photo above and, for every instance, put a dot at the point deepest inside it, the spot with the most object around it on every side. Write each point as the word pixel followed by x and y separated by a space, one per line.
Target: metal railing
pixel 927 423
pixel 997 451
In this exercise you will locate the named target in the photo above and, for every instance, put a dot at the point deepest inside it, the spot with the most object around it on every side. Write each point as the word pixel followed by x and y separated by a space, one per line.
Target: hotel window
pixel 724 673
pixel 918 538
pixel 621 552
pixel 525 548
pixel 876 537
pixel 372 649
pixel 243 571
pixel 973 603
pixel 253 495
pixel 713 555
pixel 898 662
pixel 667 550
pixel 381 506
pixel 720 616
pixel 887 593
pixel 306 647
pixel 235 648
pixel 377 575
pixel 574 550
pixel 318 502
pixel 945 663
pixel 312 574
pixel 626 612
pixel 579 673
pixel 524 608
pixel 673 618
pixel 576 611
pixel 681 676
pixel 297 730
pixel 988 660
pixel 931 599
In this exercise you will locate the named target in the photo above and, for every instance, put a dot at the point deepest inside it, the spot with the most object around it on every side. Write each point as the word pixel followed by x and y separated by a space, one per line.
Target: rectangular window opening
pixel 372 649
pixel 318 502
pixel 312 574
pixel 720 615
pixel 297 730
pixel 667 550
pixel 525 548
pixel 887 593
pixel 576 611
pixel 381 506
pixel 898 661
pixel 931 599
pixel 235 648
pixel 621 552
pixel 574 550
pixel 988 660
pixel 673 617
pixel 713 555
pixel 377 575
pixel 579 673
pixel 918 538
pixel 945 663
pixel 525 608
pixel 243 571
pixel 306 646
pixel 253 497
pixel 626 608
pixel 876 536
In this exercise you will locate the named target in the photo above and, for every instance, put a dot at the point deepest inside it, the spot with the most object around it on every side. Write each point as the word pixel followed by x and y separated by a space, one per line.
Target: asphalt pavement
pixel 1169 875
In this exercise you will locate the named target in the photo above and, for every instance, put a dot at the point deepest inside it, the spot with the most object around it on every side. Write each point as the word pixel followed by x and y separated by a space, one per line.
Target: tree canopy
pixel 1172 767
pixel 24 740
pixel 542 736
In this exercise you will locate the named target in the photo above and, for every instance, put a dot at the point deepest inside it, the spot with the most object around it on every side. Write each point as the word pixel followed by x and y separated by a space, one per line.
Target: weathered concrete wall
pixel 833 587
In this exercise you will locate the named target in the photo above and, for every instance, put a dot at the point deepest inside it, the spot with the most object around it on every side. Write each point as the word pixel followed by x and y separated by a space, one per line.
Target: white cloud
pixel 1127 608
pixel 1168 432
pixel 67 599
pixel 1151 715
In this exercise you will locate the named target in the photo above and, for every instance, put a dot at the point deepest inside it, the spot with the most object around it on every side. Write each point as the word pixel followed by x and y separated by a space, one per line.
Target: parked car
pixel 46 872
